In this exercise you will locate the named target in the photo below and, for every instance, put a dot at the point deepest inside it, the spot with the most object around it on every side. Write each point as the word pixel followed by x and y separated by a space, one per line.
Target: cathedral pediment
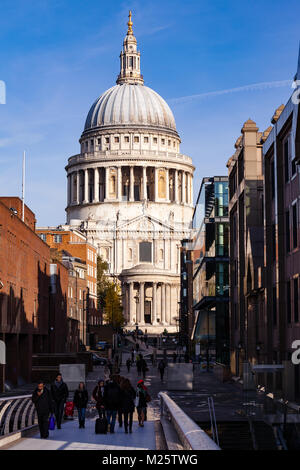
pixel 144 223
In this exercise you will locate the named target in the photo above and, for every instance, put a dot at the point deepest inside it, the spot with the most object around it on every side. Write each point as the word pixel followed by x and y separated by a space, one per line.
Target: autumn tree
pixel 109 296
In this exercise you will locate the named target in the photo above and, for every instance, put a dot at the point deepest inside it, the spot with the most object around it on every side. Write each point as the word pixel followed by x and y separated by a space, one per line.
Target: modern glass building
pixel 211 269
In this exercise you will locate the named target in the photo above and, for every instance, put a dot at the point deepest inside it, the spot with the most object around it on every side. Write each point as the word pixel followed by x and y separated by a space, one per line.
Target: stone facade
pixel 131 192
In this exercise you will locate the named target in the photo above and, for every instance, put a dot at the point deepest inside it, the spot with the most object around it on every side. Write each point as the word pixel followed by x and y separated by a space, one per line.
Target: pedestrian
pixel 110 366
pixel 119 380
pixel 112 401
pixel 59 393
pixel 128 364
pixel 132 355
pixel 174 357
pixel 128 397
pixel 80 401
pixel 137 346
pixel 161 368
pixel 142 397
pixel 138 364
pixel 144 367
pixel 98 396
pixel 106 373
pixel 41 397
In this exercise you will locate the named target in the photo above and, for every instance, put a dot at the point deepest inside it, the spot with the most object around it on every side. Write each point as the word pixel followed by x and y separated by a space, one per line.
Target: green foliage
pixel 109 296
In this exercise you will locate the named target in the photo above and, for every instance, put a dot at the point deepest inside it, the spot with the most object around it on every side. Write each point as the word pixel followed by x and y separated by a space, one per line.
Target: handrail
pixel 189 433
pixel 16 414
pixel 213 422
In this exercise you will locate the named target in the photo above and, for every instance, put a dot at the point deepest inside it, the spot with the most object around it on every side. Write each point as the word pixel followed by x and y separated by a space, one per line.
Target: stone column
pixel 142 303
pixel 131 182
pixel 69 190
pixel 77 187
pixel 86 186
pixel 176 187
pixel 119 183
pixel 96 185
pixel 167 185
pixel 167 308
pixel 106 191
pixel 183 187
pixel 155 184
pixel 154 304
pixel 131 301
pixel 144 182
pixel 191 188
pixel 163 303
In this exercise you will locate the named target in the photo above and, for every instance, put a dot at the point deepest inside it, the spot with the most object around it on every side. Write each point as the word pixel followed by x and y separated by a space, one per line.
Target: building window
pixel 57 238
pixel 294 167
pixel 294 222
pixel 155 140
pixel 296 301
pixel 117 140
pixel 146 140
pixel 136 139
pixel 288 301
pixel 163 141
pixel 286 160
pixel 272 169
pixel 43 236
pixel 107 140
pixel 287 231
pixel 126 138
pixel 145 252
pixel 169 143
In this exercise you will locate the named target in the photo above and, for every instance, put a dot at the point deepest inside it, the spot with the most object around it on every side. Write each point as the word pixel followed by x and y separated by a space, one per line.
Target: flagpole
pixel 23 186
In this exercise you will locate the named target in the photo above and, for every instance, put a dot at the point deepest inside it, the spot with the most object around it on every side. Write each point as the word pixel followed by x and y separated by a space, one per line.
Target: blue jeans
pixel 111 415
pixel 81 414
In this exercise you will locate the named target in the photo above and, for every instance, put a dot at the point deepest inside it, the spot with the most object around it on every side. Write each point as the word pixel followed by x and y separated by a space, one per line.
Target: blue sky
pixel 57 56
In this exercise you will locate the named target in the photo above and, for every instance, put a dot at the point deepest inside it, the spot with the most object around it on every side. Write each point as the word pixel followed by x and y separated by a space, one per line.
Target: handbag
pixel 51 423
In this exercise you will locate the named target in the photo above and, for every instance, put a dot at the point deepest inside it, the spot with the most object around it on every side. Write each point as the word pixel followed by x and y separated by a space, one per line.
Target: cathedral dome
pixel 129 104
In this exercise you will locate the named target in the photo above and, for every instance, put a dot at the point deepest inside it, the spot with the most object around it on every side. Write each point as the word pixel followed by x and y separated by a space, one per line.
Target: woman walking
pixel 128 396
pixel 98 395
pixel 80 401
pixel 143 397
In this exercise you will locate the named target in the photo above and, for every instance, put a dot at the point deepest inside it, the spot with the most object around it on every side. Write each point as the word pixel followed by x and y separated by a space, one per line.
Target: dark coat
pixel 142 398
pixel 128 397
pixel 112 396
pixel 143 365
pixel 43 403
pixel 98 397
pixel 81 398
pixel 59 393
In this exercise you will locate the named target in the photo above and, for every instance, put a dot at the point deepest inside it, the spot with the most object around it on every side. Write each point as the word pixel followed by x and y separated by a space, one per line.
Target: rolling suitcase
pixel 101 426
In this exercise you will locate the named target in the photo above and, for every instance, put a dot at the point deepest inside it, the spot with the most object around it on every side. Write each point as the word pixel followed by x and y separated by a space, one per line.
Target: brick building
pixel 24 276
pixel 64 239
pixel 246 248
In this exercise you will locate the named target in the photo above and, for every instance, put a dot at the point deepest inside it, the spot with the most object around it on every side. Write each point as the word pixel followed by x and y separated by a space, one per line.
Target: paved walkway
pixel 70 437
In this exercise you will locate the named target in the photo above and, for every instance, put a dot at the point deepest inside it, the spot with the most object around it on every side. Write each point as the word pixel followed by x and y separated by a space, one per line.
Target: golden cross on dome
pixel 129 24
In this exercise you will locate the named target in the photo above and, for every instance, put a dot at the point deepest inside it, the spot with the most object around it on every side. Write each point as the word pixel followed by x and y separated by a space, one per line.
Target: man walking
pixel 161 368
pixel 128 364
pixel 112 401
pixel 42 399
pixel 59 392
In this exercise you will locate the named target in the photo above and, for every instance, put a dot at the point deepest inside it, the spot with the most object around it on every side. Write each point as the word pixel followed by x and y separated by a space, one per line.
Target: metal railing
pixel 213 422
pixel 190 435
pixel 16 414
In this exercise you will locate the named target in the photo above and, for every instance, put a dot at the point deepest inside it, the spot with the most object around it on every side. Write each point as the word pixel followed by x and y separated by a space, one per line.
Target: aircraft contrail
pixel 254 86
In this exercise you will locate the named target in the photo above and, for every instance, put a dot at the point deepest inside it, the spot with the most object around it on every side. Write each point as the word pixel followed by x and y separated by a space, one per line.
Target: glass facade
pixel 211 268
